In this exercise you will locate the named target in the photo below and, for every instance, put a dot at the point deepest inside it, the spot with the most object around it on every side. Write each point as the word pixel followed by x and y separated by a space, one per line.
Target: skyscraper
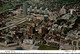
pixel 25 6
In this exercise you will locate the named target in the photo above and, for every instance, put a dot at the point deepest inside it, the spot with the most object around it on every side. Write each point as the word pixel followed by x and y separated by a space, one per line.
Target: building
pixel 62 11
pixel 72 11
pixel 25 8
pixel 27 41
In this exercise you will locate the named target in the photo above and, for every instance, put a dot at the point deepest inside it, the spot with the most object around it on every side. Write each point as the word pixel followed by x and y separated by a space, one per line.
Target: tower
pixel 30 9
pixel 41 10
pixel 35 10
pixel 25 7
pixel 46 11
pixel 62 11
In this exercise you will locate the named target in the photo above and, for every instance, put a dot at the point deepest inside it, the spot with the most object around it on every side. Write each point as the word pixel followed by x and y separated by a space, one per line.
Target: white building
pixel 28 41
pixel 62 11
pixel 71 11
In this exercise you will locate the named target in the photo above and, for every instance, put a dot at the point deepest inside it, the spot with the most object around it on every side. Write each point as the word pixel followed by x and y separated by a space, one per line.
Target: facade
pixel 62 11
pixel 25 8
pixel 28 41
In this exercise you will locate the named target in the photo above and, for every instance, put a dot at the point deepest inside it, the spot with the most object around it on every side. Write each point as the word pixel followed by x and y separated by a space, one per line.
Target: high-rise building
pixel 46 11
pixel 41 10
pixel 35 10
pixel 62 11
pixel 30 9
pixel 25 7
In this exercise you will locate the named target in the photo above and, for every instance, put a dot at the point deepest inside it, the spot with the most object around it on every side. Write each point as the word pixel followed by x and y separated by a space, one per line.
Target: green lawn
pixel 19 48
pixel 22 24
pixel 74 42
pixel 79 43
pixel 5 7
pixel 78 14
pixel 45 47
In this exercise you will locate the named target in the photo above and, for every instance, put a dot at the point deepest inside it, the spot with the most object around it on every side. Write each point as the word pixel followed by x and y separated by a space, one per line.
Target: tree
pixel 1 3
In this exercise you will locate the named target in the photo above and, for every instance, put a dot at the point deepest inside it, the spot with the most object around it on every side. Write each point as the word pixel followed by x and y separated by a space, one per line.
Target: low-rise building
pixel 28 41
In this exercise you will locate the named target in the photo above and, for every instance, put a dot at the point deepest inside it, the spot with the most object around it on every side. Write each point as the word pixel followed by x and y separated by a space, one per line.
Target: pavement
pixel 24 46
pixel 67 47
pixel 8 48
pixel 27 46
